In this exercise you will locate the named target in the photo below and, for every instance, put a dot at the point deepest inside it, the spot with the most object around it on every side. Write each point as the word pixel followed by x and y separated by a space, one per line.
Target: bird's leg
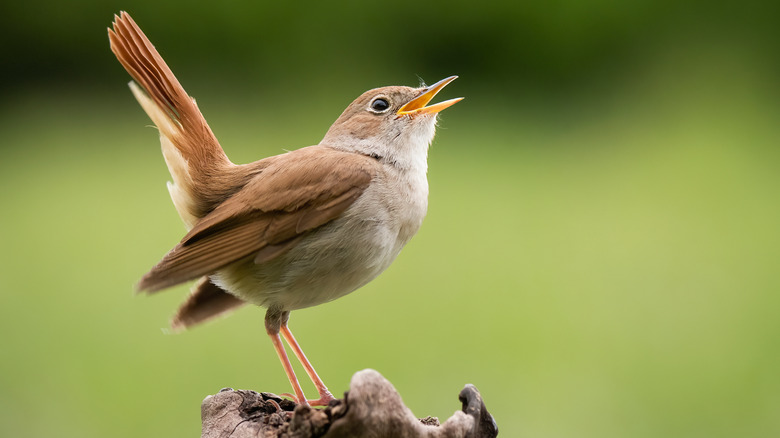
pixel 325 395
pixel 272 325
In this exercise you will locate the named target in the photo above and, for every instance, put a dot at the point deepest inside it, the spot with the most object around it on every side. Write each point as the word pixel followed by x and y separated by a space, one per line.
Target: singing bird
pixel 289 231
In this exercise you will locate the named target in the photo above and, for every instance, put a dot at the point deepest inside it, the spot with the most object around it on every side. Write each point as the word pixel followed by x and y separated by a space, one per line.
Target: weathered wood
pixel 371 408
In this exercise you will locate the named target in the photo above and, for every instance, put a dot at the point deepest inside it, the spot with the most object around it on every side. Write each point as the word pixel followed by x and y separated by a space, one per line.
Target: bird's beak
pixel 417 107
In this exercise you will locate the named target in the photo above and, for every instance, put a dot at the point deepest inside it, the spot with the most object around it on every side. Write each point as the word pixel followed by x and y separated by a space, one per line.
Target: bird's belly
pixel 329 263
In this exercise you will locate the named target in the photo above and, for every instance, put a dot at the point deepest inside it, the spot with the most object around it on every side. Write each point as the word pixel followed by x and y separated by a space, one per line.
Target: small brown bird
pixel 293 230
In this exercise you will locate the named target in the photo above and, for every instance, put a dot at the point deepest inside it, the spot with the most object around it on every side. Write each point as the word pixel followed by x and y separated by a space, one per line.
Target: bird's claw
pixel 325 398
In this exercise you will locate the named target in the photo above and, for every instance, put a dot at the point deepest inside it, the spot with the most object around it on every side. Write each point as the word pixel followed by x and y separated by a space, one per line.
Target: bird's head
pixel 394 124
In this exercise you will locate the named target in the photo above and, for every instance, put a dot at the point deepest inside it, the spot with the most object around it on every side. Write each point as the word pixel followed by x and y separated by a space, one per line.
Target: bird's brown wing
pixel 297 192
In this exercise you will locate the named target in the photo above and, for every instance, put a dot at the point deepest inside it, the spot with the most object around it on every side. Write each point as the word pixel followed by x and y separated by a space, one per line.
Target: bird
pixel 289 231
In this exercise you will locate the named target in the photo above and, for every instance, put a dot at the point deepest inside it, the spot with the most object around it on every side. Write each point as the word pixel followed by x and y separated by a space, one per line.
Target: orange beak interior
pixel 416 106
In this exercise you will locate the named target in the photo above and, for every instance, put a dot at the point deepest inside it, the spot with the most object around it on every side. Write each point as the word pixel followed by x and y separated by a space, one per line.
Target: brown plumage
pixel 292 230
pixel 212 176
pixel 266 214
pixel 205 301
pixel 290 197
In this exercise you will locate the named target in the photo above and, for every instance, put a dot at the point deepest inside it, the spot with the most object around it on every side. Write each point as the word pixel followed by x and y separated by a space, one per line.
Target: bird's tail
pixel 206 301
pixel 192 152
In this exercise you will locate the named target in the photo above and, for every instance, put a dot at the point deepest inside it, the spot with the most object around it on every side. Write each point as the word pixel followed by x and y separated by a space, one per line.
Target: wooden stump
pixel 371 408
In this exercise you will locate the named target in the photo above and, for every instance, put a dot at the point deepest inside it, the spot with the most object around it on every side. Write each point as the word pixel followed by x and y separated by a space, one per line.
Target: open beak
pixel 417 107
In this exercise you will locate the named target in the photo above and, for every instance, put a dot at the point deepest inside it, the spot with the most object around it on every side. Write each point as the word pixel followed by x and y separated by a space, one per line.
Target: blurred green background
pixel 600 256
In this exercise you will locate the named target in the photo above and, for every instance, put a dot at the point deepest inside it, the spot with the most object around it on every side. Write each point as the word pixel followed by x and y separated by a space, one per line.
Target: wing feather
pixel 298 192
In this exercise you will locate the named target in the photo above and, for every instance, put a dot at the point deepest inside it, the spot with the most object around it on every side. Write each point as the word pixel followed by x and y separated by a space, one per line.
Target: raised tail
pixel 192 152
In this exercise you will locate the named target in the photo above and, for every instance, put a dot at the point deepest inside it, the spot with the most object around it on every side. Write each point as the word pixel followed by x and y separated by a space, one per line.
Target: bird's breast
pixel 339 257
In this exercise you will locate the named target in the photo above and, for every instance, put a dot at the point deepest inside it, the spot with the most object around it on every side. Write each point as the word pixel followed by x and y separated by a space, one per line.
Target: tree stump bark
pixel 371 408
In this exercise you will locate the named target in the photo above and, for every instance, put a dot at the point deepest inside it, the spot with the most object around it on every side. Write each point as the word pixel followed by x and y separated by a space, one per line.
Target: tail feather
pixel 191 150
pixel 207 301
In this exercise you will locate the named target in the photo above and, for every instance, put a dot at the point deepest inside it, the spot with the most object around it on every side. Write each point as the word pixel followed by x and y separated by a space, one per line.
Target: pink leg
pixel 325 395
pixel 277 341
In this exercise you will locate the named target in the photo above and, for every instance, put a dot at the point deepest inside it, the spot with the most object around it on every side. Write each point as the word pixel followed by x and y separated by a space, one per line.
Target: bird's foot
pixel 325 398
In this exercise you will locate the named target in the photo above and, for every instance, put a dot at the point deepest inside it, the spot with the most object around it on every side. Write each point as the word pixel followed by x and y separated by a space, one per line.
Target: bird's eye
pixel 379 105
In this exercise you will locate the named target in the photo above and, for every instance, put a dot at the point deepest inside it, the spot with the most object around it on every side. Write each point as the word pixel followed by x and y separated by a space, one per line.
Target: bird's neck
pixel 404 149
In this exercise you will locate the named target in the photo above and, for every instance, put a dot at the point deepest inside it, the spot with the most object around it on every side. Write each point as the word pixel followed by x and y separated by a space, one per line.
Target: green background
pixel 600 256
